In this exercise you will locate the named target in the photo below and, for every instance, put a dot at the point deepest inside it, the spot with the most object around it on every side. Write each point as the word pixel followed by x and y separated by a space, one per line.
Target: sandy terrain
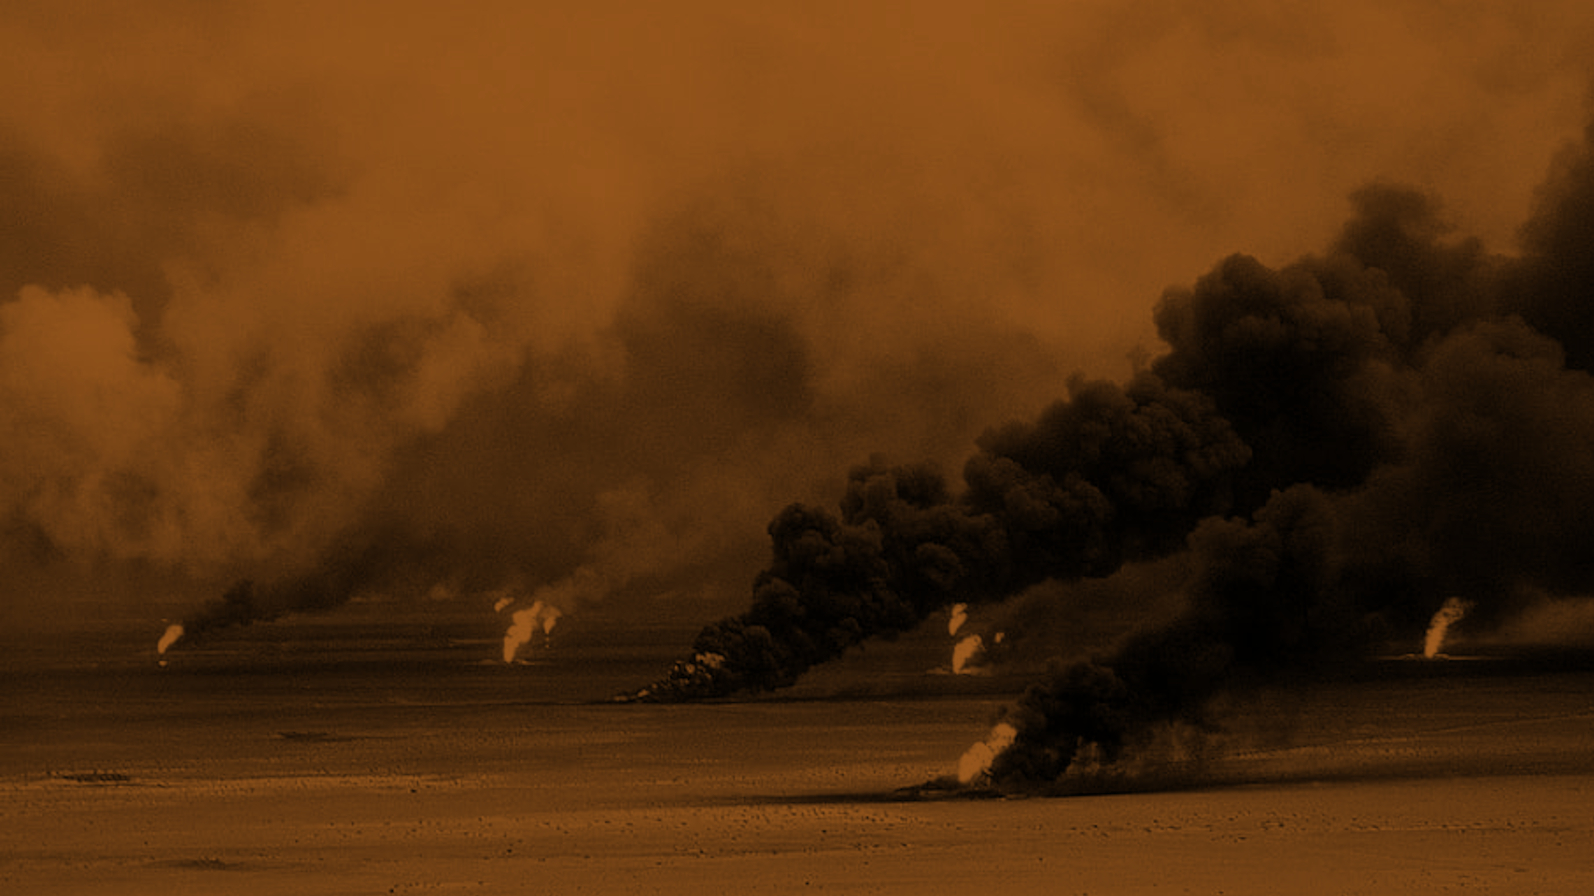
pixel 1398 784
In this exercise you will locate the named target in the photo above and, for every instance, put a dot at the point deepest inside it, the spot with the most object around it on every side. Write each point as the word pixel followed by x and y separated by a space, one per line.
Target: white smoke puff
pixel 1454 608
pixel 537 617
pixel 976 761
pixel 967 651
pixel 501 603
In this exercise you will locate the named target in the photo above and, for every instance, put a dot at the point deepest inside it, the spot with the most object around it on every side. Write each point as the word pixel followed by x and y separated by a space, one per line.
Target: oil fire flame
pixel 976 761
pixel 960 615
pixel 526 624
pixel 1454 608
pixel 967 651
pixel 172 634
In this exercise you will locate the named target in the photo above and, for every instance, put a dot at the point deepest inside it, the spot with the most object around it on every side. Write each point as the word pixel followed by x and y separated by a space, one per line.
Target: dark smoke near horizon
pixel 562 303
pixel 1340 444
pixel 1110 475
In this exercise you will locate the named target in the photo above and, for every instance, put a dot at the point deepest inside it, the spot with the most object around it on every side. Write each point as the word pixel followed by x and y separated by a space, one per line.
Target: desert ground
pixel 400 772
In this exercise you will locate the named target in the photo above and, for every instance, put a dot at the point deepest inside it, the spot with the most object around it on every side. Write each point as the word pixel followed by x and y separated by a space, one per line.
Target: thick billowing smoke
pixel 1110 475
pixel 301 305
pixel 1438 449
pixel 559 302
pixel 1255 612
pixel 1339 444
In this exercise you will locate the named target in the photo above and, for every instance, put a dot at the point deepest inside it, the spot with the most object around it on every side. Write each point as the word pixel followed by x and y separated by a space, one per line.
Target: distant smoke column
pixel 1114 473
pixel 171 636
pixel 1454 608
pixel 346 570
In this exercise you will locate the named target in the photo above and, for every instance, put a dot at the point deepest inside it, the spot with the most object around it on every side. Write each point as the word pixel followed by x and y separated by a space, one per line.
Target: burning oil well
pixel 1110 475
pixel 1346 447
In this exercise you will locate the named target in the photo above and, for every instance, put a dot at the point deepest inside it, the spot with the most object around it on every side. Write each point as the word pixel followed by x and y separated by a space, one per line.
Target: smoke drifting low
pixel 1110 475
pixel 1342 446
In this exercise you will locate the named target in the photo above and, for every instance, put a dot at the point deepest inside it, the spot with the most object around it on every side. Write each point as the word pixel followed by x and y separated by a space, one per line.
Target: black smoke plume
pixel 1436 406
pixel 346 571
pixel 1111 474
pixel 1340 444
pixel 1255 611
pixel 560 309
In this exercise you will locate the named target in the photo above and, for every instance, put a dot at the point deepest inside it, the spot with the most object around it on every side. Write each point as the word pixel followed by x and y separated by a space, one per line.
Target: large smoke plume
pixel 1458 466
pixel 1112 474
pixel 1339 444
pixel 566 304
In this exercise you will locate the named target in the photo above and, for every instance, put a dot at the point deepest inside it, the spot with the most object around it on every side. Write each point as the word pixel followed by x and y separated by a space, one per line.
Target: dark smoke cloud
pixel 1111 475
pixel 1551 288
pixel 1483 492
pixel 1341 444
pixel 375 301
pixel 1254 609
pixel 1078 616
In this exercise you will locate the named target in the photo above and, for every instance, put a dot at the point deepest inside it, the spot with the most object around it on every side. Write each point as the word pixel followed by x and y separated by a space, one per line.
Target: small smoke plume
pixel 1439 627
pixel 348 570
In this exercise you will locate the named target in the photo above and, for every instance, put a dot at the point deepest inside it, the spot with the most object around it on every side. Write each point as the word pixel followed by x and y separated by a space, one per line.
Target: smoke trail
pixel 1255 606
